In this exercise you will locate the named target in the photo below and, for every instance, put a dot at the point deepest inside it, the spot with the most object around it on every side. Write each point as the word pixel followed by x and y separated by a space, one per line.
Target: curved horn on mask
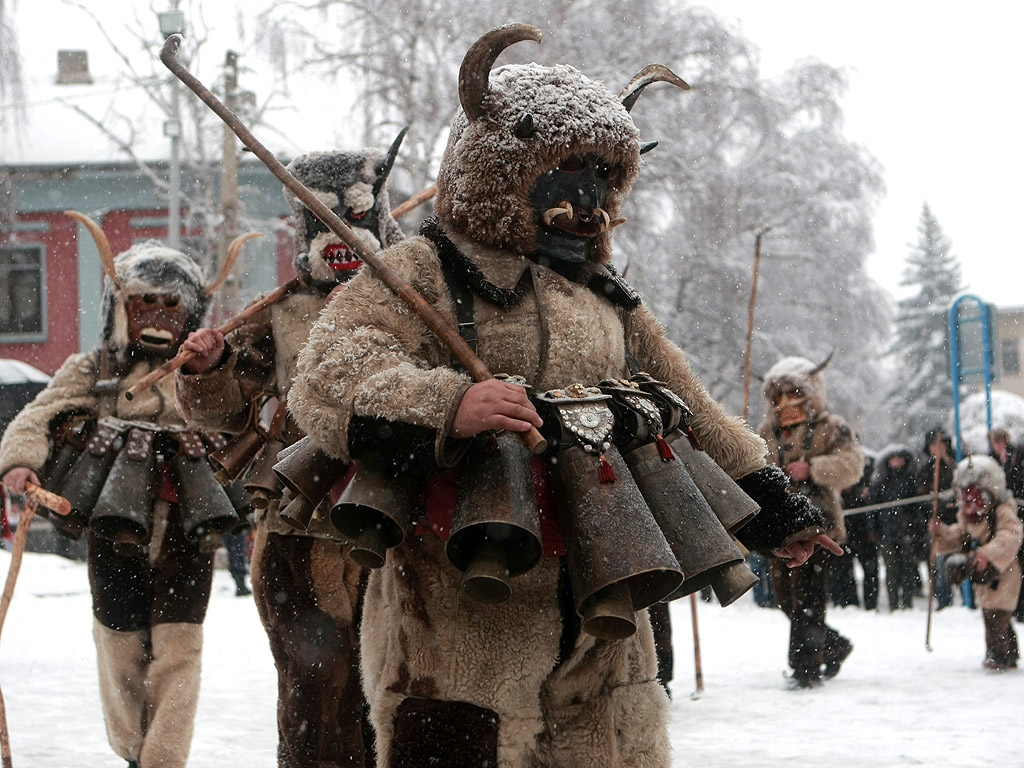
pixel 476 66
pixel 102 245
pixel 652 73
pixel 821 366
pixel 230 257
pixel 383 169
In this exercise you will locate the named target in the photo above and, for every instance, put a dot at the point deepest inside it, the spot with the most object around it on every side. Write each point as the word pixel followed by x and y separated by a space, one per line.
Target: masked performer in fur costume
pixel 306 591
pixel 141 484
pixel 983 545
pixel 821 455
pixel 537 163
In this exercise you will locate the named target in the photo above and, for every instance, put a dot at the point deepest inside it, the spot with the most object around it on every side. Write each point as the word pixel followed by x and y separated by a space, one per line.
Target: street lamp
pixel 172 22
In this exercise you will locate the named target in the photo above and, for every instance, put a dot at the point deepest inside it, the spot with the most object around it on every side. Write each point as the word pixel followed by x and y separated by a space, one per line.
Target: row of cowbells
pixel 660 531
pixel 110 476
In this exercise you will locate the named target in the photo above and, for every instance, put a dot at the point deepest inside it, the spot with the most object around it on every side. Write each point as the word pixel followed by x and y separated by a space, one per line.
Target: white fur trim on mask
pixel 359 197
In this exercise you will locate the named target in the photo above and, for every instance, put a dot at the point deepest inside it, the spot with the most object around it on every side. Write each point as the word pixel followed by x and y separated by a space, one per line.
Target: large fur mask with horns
pixel 353 185
pixel 796 383
pixel 524 136
pixel 158 300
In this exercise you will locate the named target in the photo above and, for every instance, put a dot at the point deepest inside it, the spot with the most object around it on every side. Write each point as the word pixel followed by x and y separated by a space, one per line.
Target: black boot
pixel 835 655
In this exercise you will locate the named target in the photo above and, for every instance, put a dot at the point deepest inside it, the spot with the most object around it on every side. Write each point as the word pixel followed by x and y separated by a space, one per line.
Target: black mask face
pixel 564 232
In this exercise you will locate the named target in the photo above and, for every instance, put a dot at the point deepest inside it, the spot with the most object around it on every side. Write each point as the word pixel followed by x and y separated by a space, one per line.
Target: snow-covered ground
pixel 894 704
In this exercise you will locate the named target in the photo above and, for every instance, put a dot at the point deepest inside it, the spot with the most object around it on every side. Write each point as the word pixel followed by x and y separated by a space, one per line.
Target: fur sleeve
pixel 1001 549
pixel 727 439
pixel 26 443
pixel 843 464
pixel 369 355
pixel 218 399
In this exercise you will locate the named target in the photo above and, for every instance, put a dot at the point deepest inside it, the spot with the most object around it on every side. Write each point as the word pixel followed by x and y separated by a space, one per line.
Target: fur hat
pixel 519 122
pixel 797 373
pixel 151 267
pixel 352 182
pixel 984 471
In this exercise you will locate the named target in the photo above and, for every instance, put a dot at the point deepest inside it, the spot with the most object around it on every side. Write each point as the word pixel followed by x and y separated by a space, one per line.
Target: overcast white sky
pixel 935 96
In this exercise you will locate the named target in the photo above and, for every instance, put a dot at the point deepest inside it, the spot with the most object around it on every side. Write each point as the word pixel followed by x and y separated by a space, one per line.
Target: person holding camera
pixel 986 537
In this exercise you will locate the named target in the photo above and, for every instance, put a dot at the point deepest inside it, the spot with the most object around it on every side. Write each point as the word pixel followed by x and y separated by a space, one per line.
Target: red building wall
pixel 59 234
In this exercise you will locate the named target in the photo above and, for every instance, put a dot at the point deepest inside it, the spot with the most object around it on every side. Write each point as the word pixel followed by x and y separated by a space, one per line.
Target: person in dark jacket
pixel 861 541
pixel 894 479
pixel 939 447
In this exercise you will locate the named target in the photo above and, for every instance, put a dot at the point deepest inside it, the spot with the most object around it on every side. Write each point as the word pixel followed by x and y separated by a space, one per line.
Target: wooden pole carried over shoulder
pixel 401 287
pixel 184 356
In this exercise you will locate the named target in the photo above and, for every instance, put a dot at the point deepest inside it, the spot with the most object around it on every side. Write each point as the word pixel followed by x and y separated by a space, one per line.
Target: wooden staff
pixel 931 548
pixel 698 671
pixel 414 202
pixel 34 496
pixel 187 354
pixel 750 320
pixel 401 287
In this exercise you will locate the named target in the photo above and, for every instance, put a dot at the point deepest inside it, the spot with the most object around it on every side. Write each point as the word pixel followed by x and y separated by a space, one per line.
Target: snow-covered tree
pixel 922 395
pixel 737 153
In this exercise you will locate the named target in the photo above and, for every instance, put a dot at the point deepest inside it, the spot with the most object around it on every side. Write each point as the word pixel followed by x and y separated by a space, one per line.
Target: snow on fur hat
pixel 798 373
pixel 353 179
pixel 984 471
pixel 520 122
pixel 151 267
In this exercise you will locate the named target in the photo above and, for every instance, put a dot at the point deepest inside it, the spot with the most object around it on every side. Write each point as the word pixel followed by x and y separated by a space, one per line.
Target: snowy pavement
pixel 894 704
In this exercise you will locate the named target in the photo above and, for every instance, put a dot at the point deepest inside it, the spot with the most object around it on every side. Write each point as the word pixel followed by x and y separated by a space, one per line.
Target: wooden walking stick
pixel 750 320
pixel 697 669
pixel 401 287
pixel 34 496
pixel 931 548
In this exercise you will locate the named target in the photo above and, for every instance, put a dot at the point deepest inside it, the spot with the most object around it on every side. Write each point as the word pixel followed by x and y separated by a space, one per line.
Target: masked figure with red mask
pixel 142 494
pixel 985 537
pixel 307 592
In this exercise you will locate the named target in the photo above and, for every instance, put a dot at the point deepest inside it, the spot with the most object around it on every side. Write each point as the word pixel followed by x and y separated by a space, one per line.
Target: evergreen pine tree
pixel 923 391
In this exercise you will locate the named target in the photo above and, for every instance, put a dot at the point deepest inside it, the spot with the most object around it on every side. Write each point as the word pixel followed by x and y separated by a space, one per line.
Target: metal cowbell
pixel 701 544
pixel 374 512
pixel 618 559
pixel 124 509
pixel 495 533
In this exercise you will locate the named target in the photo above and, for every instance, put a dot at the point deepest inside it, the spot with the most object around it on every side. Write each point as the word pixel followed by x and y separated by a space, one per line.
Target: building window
pixel 22 296
pixel 1010 356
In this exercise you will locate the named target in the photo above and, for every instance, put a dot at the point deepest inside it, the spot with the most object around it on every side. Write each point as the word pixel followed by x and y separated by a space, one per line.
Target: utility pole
pixel 173 22
pixel 229 299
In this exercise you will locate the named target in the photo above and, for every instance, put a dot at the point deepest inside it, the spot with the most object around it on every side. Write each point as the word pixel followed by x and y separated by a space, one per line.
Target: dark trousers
pixel 1000 639
pixel 802 594
pixel 901 574
pixel 237 547
pixel 322 716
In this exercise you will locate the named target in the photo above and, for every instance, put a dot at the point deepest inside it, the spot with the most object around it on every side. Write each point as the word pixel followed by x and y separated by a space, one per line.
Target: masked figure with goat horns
pixel 141 492
pixel 820 456
pixel 307 591
pixel 505 624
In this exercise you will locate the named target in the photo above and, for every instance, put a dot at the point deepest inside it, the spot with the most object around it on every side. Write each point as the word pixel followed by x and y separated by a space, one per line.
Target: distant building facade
pixel 50 273
pixel 1009 352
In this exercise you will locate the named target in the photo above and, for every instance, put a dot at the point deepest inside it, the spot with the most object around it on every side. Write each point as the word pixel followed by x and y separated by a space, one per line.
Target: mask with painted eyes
pixel 975 502
pixel 156 322
pixel 790 407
